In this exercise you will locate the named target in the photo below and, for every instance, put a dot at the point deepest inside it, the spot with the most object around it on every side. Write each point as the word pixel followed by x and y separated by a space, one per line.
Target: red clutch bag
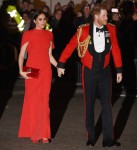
pixel 34 72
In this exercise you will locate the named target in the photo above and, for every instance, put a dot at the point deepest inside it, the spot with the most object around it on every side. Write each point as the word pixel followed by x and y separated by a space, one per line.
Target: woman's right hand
pixel 24 75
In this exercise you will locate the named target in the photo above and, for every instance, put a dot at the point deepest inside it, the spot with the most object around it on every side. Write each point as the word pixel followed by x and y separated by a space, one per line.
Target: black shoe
pixel 116 143
pixel 90 142
pixel 110 144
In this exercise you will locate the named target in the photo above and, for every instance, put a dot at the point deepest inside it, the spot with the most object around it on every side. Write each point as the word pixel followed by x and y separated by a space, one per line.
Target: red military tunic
pixel 87 60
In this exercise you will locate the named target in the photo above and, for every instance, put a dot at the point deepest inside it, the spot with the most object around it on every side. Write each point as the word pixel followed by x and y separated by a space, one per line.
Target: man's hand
pixel 60 72
pixel 119 77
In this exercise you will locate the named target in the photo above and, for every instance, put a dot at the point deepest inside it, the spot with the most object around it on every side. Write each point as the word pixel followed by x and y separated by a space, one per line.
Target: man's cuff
pixel 61 65
pixel 119 70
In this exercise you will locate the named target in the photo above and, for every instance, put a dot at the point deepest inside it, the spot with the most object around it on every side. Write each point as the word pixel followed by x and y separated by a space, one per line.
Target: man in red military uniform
pixel 95 43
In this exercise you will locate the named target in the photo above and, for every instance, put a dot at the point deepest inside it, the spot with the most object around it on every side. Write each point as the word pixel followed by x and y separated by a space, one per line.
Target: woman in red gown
pixel 35 119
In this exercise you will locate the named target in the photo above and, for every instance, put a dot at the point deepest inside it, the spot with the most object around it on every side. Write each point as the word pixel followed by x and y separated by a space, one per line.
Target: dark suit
pixel 96 74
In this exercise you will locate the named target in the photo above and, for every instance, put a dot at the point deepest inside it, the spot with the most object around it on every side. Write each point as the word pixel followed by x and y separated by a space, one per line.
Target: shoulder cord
pixel 83 44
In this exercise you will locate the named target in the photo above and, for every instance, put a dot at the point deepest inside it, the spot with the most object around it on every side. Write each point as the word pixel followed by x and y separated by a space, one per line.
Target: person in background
pixel 64 7
pixel 57 7
pixel 114 16
pixel 67 24
pixel 31 7
pixel 135 11
pixel 135 37
pixel 31 12
pixel 55 20
pixel 127 38
pixel 38 42
pixel 86 16
pixel 46 9
pixel 25 16
pixel 135 15
pixel 79 13
pixel 95 42
pixel 24 6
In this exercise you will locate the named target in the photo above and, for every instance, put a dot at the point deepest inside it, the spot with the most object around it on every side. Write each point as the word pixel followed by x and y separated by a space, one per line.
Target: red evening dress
pixel 35 118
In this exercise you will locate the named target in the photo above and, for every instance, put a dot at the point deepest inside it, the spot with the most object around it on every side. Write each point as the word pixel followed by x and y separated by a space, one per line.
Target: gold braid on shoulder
pixel 83 44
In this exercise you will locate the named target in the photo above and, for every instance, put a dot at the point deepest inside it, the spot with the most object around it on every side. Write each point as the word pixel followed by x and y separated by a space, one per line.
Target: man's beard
pixel 102 23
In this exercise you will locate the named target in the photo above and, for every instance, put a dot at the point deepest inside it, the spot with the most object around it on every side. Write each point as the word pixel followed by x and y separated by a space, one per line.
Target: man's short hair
pixel 98 7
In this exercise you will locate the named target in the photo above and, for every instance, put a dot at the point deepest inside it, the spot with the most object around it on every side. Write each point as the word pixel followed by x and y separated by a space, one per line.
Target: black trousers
pixel 98 80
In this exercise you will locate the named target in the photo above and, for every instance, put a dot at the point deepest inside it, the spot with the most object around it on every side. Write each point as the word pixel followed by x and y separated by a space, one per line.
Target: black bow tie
pixel 99 30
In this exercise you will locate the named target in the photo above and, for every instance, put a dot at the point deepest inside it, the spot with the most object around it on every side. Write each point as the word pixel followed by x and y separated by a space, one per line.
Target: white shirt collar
pixel 94 27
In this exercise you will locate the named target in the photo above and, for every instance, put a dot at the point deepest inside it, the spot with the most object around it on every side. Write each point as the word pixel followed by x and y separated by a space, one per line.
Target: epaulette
pixel 83 25
pixel 111 24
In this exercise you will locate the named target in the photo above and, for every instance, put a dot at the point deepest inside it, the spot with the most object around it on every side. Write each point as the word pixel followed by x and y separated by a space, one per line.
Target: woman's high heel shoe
pixel 45 140
pixel 35 141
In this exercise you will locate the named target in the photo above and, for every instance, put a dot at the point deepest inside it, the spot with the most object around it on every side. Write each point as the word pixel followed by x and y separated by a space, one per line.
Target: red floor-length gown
pixel 35 119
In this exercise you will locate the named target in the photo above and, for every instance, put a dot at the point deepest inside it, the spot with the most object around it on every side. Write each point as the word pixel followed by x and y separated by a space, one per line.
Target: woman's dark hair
pixel 35 16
